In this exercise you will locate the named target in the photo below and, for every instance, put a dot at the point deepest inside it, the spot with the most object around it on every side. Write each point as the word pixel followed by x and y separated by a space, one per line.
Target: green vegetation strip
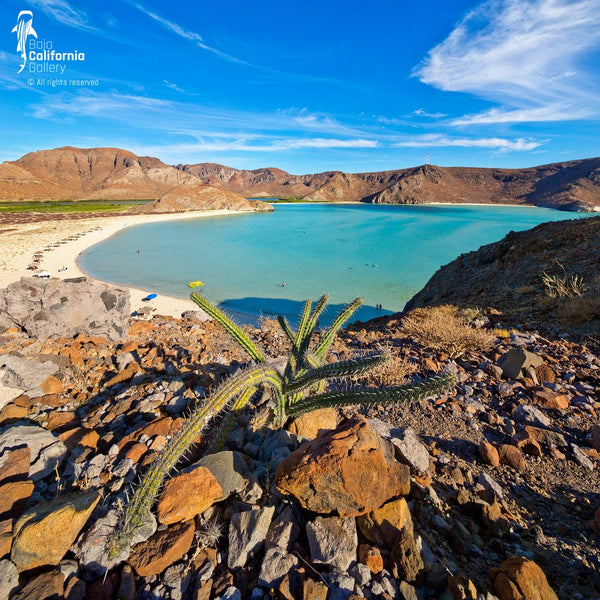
pixel 70 206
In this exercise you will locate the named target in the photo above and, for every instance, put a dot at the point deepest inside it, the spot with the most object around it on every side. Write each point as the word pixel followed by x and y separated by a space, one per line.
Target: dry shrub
pixel 579 309
pixel 442 328
pixel 392 372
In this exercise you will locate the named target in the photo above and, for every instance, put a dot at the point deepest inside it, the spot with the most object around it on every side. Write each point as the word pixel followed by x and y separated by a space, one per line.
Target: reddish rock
pixel 125 375
pixel 545 374
pixel 12 413
pixel 528 445
pixel 81 436
pixel 314 590
pixel 162 549
pixel 312 423
pixel 13 498
pixel 136 451
pixel 489 454
pixel 371 557
pixel 549 399
pixel 187 495
pixel 52 385
pixel 351 470
pixel 47 586
pixel 14 464
pixel 511 456
pixel 58 521
pixel 519 578
pixel 383 526
pixel 60 421
pixel 556 454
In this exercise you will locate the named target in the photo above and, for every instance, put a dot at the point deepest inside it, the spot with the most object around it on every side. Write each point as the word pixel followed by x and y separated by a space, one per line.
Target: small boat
pixel 42 274
pixel 149 297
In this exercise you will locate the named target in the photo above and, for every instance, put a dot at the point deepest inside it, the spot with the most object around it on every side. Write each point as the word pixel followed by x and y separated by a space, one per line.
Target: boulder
pixel 47 451
pixel 59 520
pixel 187 495
pixel 519 578
pixel 14 464
pixel 65 308
pixel 489 454
pixel 517 360
pixel 25 374
pixel 162 549
pixel 351 470
pixel 511 456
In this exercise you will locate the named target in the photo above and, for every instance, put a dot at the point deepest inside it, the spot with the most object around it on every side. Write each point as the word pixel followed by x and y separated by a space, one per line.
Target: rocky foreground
pixel 489 491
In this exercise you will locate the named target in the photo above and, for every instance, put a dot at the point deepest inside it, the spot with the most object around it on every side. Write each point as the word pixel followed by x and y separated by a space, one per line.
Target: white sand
pixel 19 242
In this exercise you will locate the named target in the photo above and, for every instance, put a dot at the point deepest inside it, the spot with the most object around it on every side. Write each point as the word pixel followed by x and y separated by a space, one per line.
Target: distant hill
pixel 112 173
pixel 573 185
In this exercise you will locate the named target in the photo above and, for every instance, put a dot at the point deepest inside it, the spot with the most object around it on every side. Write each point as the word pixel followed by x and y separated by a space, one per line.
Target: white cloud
pixel 527 55
pixel 192 36
pixel 420 112
pixel 436 140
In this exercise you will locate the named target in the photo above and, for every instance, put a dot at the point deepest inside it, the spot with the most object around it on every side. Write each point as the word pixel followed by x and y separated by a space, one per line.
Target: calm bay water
pixel 383 253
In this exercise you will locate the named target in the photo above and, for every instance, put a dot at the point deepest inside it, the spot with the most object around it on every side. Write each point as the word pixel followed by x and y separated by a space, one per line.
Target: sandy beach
pixel 60 242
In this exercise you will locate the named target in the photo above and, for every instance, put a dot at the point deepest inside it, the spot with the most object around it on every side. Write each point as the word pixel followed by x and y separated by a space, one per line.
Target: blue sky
pixel 311 86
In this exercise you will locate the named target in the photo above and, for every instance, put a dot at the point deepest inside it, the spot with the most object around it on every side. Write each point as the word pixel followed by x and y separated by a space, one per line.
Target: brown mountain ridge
pixel 112 173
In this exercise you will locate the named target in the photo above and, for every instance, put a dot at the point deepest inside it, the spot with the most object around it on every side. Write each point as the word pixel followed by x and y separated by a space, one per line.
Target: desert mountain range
pixel 112 173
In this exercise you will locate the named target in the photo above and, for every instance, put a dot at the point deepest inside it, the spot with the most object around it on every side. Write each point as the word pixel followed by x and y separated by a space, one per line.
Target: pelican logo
pixel 24 29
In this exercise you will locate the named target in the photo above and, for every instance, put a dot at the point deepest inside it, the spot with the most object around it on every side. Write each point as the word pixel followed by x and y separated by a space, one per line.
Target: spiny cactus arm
pixel 406 393
pixel 226 427
pixel 240 336
pixel 316 313
pixel 343 368
pixel 328 337
pixel 182 440
pixel 286 328
pixel 301 332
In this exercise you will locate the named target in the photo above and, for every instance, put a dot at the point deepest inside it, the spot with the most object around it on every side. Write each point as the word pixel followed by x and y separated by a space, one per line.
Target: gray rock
pixel 580 458
pixel 9 578
pixel 530 415
pixel 25 374
pixel 341 585
pixel 276 564
pixel 44 308
pixel 124 359
pixel 333 541
pixel 196 315
pixel 516 359
pixel 275 444
pixel 247 532
pixel 91 548
pixel 230 470
pixel 283 531
pixel 490 485
pixel 409 448
pixel 176 405
pixel 361 574
pixel 47 451
pixel 231 593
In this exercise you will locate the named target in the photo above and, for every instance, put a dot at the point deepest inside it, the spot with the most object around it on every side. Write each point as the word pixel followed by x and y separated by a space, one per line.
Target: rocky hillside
pixel 94 173
pixel 571 185
pixel 198 196
pixel 111 173
pixel 488 491
pixel 509 276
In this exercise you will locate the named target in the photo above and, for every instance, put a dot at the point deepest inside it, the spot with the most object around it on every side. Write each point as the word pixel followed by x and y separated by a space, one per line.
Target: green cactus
pixel 296 390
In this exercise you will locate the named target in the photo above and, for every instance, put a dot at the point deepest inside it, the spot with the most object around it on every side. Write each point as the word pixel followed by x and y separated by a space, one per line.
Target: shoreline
pixel 67 239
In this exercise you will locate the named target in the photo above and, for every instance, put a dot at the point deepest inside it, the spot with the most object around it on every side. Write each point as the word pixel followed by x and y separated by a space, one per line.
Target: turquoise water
pixel 383 253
